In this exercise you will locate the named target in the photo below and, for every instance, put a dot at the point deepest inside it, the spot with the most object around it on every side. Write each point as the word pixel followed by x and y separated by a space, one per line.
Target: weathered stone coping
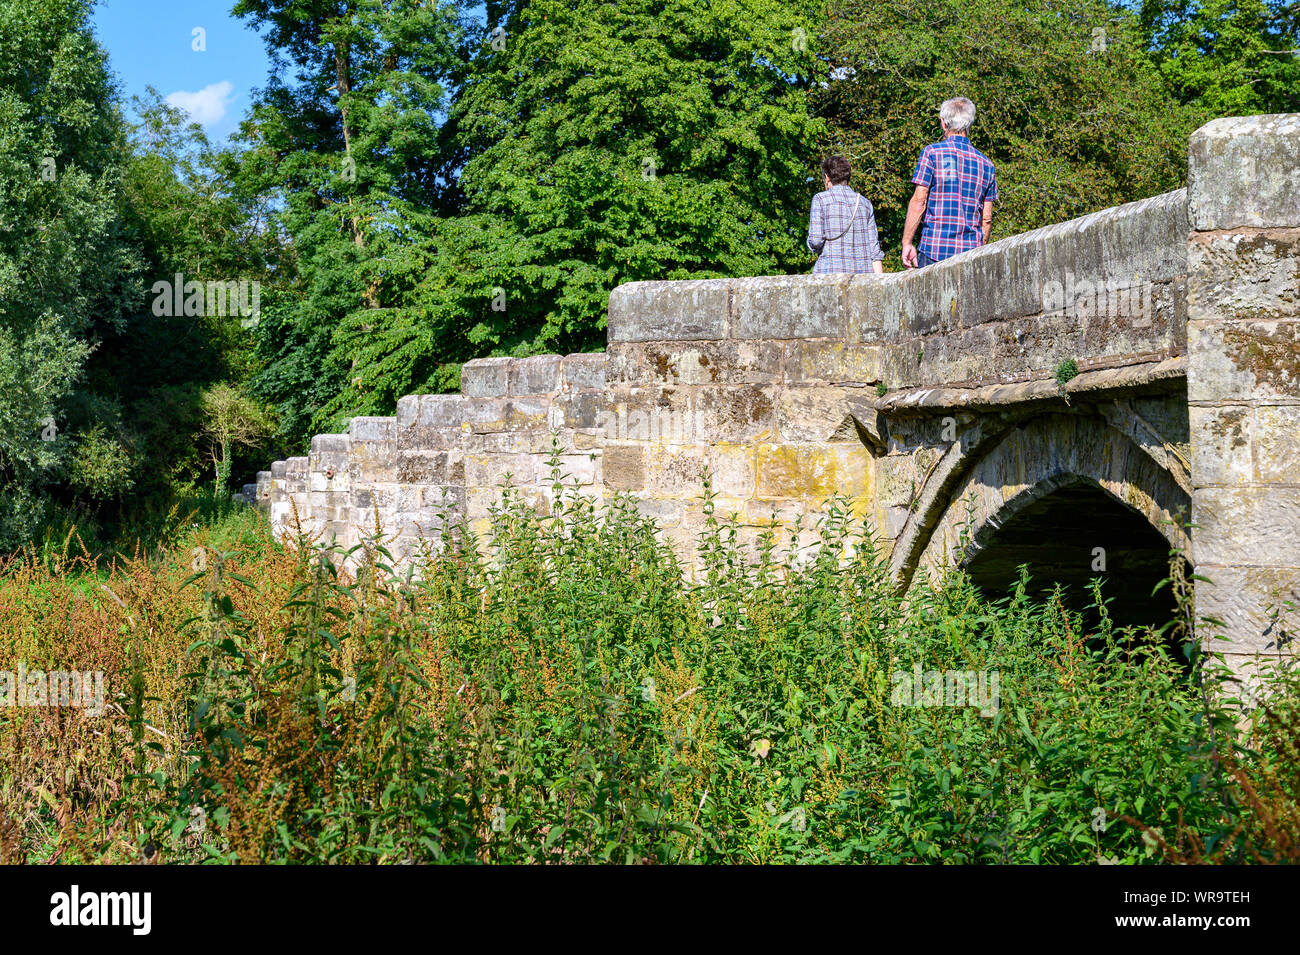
pixel 1093 384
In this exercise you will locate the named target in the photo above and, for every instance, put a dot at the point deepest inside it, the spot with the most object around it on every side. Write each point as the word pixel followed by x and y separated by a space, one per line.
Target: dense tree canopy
pixel 586 144
pixel 344 138
pixel 1227 57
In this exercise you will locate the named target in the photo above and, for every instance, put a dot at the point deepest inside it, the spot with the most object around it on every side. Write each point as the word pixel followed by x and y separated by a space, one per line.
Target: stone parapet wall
pixel 441 458
pixel 1107 289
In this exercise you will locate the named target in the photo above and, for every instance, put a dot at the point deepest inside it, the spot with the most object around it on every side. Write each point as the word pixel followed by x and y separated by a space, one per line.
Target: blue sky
pixel 150 42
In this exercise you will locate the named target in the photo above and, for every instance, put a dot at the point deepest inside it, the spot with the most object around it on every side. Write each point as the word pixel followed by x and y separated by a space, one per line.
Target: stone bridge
pixel 1081 398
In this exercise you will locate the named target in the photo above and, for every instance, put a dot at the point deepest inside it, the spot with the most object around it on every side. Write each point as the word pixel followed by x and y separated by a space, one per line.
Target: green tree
pixel 183 210
pixel 231 420
pixel 599 143
pixel 1068 106
pixel 588 144
pixel 343 141
pixel 1227 57
pixel 67 273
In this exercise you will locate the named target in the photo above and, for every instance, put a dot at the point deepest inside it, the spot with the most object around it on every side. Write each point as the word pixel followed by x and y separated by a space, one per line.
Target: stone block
pixel 968 355
pixel 1221 445
pixel 489 470
pixel 538 375
pixel 670 311
pixel 417 437
pixel 1242 172
pixel 812 472
pixel 1135 320
pixel 579 468
pixel 326 443
pixel 790 306
pixel 834 362
pixel 1277 444
pixel 1001 280
pixel 782 513
pixel 873 306
pixel 664 512
pixel 441 411
pixel 813 413
pixel 673 472
pixel 929 303
pixel 484 415
pixel 733 469
pixel 901 363
pixel 1251 603
pixel 892 521
pixel 408 409
pixel 625 467
pixel 1243 361
pixel 625 365
pixel 1244 276
pixel 1028 345
pixel 1074 256
pixel 372 429
pixel 372 461
pixel 1146 241
pixel 736 413
pixel 583 371
pixel 657 415
pixel 431 467
pixel 581 409
pixel 486 377
pixel 1246 526
pixel 897 481
pixel 708 363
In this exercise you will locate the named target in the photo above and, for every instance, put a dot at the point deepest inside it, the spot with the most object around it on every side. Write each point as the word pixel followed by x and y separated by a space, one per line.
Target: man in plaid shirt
pixel 955 192
pixel 842 225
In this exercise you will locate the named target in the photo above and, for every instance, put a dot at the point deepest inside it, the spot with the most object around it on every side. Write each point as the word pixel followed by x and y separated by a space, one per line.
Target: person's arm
pixel 915 213
pixel 923 179
pixel 990 197
pixel 816 237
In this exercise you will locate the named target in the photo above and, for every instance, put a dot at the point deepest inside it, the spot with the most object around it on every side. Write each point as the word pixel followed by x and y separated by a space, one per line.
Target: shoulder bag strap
pixel 832 238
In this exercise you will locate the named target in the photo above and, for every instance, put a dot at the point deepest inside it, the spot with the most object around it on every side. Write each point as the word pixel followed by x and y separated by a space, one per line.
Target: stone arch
pixel 1008 469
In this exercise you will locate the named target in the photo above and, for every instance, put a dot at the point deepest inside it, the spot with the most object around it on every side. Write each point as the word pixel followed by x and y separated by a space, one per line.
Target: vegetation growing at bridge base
pixel 573 697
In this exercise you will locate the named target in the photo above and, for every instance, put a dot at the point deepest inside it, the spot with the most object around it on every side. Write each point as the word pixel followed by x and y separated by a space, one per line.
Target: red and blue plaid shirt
pixel 960 179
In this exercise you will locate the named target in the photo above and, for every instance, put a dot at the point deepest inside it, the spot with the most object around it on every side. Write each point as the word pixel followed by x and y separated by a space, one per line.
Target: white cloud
pixel 208 105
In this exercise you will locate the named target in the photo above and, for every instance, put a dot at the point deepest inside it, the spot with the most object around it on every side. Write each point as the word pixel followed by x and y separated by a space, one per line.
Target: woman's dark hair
pixel 836 169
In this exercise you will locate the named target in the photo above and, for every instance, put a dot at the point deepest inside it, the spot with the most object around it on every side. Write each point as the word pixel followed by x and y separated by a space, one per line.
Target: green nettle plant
pixel 574 692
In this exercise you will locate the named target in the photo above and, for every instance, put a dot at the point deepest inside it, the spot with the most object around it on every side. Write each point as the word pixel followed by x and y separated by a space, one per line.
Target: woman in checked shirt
pixel 842 225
